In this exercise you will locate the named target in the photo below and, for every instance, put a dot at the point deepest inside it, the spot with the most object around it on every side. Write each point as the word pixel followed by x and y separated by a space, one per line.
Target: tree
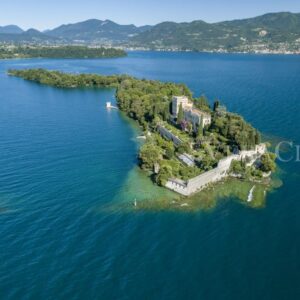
pixel 202 103
pixel 180 115
pixel 225 130
pixel 257 138
pixel 184 148
pixel 164 174
pixel 189 127
pixel 216 105
pixel 268 162
pixel 200 130
pixel 169 149
pixel 236 167
pixel 166 113
pixel 207 163
pixel 149 155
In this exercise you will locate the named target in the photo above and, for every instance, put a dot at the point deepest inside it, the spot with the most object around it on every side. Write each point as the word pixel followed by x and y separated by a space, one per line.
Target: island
pixel 189 145
pixel 12 51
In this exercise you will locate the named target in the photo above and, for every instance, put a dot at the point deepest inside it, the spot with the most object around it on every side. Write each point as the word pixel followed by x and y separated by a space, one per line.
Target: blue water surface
pixel 63 156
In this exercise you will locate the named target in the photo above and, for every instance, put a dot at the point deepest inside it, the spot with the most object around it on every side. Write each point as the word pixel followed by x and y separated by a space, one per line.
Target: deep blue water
pixel 63 157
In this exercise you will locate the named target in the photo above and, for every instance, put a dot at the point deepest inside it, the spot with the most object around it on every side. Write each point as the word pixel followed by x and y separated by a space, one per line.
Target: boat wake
pixel 250 195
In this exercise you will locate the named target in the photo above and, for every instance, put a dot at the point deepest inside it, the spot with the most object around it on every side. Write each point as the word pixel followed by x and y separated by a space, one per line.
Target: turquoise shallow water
pixel 64 160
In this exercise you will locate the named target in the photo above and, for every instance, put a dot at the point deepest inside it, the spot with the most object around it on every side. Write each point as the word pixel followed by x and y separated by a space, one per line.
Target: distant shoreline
pixel 59 52
pixel 211 52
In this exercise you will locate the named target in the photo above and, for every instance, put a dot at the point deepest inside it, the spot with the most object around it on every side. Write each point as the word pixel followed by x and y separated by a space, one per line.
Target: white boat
pixel 109 106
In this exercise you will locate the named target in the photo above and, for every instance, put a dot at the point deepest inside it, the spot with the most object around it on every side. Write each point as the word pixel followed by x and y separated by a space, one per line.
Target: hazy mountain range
pixel 274 31
pixel 90 31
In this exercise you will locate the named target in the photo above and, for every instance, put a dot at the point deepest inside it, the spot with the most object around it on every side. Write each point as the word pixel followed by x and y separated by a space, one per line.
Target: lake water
pixel 67 163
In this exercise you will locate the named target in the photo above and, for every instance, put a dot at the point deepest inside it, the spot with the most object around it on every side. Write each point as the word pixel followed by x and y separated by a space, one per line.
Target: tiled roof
pixel 199 112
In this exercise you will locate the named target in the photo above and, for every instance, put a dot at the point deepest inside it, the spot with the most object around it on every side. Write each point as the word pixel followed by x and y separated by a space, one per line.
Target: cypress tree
pixel 180 115
pixel 216 105
pixel 200 130
pixel 166 113
pixel 257 138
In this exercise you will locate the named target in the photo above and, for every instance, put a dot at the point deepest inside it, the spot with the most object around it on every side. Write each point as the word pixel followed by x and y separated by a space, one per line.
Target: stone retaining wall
pixel 200 182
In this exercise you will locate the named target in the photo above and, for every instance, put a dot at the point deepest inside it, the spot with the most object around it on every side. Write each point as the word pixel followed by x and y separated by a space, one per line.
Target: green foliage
pixel 216 105
pixel 245 172
pixel 59 52
pixel 187 172
pixel 268 162
pixel 184 148
pixel 180 115
pixel 64 80
pixel 257 138
pixel 146 99
pixel 280 32
pixel 202 103
pixel 238 133
pixel 149 155
pixel 237 167
pixel 200 130
pixel 164 174
pixel 207 162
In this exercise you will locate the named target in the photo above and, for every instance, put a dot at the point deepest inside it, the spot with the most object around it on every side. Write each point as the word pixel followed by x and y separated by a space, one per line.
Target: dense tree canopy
pixel 64 80
pixel 59 52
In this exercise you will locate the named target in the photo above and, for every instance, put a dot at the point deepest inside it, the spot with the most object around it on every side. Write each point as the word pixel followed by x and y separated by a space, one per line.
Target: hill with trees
pixel 11 29
pixel 96 31
pixel 275 31
pixel 269 33
pixel 59 52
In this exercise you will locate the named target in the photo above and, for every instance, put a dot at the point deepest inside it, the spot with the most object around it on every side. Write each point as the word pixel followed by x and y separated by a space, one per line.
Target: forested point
pixel 59 52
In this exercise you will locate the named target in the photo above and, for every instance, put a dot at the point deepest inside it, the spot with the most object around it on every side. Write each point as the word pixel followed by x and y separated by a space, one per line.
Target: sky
pixel 52 13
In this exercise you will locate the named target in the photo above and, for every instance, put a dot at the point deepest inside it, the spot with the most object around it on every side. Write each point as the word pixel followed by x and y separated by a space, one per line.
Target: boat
pixel 109 106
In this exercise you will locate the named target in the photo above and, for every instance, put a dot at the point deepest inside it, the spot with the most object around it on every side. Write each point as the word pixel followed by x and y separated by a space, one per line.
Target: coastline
pixel 216 121
pixel 132 49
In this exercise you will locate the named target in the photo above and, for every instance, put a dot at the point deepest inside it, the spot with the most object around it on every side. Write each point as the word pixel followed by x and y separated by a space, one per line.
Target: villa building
pixel 184 101
pixel 191 114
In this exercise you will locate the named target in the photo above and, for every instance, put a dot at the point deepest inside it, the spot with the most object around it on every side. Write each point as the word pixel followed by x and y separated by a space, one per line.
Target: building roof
pixel 187 159
pixel 199 112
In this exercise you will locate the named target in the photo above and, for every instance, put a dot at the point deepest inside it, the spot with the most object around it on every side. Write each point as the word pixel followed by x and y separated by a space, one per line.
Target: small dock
pixel 109 106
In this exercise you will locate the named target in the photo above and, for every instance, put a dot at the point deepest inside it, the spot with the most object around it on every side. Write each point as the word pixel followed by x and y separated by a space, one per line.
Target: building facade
pixel 192 115
pixel 180 100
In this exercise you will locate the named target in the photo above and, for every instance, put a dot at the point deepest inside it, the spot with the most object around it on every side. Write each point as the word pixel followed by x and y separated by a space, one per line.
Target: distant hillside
pixel 59 52
pixel 29 36
pixel 271 31
pixel 96 31
pixel 10 29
